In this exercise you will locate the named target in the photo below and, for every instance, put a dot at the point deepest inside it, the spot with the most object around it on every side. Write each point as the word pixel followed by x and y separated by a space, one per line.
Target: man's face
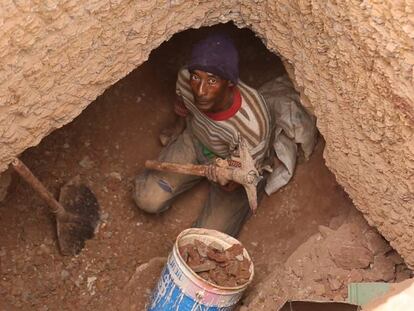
pixel 210 91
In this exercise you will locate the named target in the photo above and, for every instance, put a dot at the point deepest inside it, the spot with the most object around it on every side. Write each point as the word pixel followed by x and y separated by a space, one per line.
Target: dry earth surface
pixel 107 146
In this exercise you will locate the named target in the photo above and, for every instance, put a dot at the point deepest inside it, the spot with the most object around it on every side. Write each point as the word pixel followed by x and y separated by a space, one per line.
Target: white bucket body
pixel 181 289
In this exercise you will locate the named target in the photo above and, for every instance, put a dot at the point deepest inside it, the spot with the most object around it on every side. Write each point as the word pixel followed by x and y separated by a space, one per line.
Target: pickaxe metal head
pixel 247 175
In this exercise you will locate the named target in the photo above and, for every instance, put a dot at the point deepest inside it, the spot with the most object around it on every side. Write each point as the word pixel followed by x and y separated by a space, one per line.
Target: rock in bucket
pixel 206 270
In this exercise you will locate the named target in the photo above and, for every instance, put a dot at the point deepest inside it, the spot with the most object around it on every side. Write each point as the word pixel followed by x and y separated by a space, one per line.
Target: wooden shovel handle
pixel 187 169
pixel 27 175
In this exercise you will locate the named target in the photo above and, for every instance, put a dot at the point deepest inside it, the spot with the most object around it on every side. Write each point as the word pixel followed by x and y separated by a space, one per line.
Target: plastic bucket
pixel 181 289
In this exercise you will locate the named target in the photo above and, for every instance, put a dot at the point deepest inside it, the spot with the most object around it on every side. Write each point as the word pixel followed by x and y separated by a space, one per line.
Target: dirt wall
pixel 353 63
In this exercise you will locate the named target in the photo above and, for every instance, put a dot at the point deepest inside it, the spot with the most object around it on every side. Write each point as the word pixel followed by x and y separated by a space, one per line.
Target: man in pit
pixel 213 110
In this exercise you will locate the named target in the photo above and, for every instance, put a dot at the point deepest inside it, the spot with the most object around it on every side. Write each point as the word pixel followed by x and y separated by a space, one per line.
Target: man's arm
pixel 171 133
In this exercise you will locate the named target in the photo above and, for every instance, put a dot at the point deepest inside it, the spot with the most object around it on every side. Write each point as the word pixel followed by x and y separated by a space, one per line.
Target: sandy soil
pixel 107 145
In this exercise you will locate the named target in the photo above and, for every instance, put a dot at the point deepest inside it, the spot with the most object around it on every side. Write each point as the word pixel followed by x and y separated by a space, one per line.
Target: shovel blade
pixel 82 214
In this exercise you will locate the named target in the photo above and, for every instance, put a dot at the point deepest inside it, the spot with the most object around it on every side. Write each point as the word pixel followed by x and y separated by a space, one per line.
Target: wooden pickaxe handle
pixel 234 174
pixel 187 169
pixel 193 169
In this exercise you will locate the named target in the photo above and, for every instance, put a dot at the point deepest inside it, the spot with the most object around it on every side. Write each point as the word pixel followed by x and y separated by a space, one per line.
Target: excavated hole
pixel 107 145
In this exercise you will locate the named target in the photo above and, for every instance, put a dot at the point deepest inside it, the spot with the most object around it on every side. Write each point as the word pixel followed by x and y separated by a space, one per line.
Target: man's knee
pixel 148 204
pixel 148 197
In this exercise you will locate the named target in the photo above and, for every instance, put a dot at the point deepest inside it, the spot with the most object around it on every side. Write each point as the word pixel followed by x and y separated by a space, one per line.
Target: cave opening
pixel 295 239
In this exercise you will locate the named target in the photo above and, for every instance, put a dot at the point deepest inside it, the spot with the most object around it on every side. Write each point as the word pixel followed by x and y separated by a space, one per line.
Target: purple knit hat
pixel 218 55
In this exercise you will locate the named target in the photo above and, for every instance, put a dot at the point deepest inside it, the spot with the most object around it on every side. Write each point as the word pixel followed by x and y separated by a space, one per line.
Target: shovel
pixel 77 212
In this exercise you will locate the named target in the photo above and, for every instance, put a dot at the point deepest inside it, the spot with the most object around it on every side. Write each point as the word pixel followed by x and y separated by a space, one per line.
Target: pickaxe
pixel 246 175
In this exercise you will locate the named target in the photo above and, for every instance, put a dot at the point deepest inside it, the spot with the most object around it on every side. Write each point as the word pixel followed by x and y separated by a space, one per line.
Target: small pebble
pixel 2 252
pixel 86 162
pixel 115 175
pixel 90 282
pixel 43 249
pixel 104 216
pixel 64 275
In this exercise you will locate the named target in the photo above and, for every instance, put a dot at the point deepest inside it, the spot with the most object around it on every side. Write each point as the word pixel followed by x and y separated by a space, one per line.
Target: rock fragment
pixel 223 267
pixel 87 163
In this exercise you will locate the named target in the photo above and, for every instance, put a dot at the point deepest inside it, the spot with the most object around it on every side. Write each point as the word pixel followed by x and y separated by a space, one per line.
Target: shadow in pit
pixel 318 306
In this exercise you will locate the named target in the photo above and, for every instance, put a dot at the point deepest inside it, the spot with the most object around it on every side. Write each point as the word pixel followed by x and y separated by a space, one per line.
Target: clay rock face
pixel 352 62
pixel 5 180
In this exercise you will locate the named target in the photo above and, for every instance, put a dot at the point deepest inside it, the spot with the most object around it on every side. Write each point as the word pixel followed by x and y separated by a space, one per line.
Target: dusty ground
pixel 107 145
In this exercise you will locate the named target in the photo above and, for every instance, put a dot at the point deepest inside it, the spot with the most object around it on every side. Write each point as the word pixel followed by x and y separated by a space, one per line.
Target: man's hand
pixel 216 173
pixel 171 133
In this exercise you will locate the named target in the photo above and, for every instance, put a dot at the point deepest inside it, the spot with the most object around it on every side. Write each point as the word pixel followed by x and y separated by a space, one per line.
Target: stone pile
pixel 347 251
pixel 353 252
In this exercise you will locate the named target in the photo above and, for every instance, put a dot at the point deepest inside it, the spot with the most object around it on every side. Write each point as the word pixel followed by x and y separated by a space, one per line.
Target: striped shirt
pixel 250 119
